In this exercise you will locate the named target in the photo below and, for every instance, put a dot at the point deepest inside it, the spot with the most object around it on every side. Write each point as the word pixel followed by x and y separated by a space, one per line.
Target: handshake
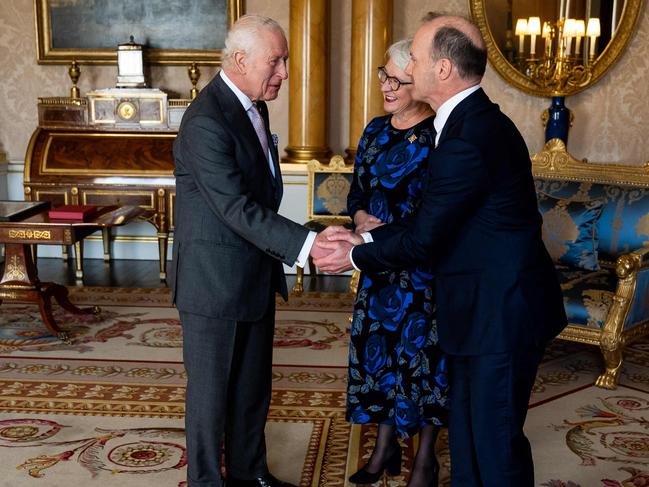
pixel 331 248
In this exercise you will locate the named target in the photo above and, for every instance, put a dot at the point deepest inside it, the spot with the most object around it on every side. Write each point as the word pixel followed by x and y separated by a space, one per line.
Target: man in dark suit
pixel 498 299
pixel 228 251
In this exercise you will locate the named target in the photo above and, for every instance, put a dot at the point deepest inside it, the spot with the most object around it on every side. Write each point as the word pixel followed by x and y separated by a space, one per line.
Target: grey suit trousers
pixel 228 366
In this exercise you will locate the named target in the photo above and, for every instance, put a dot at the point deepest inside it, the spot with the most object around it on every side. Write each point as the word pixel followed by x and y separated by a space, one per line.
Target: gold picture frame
pixel 57 44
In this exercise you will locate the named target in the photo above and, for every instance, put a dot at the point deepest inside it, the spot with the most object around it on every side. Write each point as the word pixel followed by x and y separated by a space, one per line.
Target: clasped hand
pixel 331 249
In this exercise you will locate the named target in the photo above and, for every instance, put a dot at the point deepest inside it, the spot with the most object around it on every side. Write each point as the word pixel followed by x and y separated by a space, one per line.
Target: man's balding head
pixel 447 56
pixel 457 38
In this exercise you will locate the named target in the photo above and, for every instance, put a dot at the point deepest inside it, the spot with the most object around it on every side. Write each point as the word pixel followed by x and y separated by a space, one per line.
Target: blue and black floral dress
pixel 397 373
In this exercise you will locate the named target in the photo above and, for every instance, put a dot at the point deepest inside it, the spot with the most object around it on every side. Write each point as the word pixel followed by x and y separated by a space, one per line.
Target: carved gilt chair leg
pixel 353 282
pixel 612 353
pixel 298 287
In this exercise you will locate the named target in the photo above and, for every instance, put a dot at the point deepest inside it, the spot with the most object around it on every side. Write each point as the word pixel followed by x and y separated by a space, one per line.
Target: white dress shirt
pixel 444 111
pixel 441 116
pixel 247 103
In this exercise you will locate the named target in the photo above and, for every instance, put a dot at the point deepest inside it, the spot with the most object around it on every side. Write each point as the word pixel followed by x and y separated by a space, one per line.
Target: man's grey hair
pixel 245 33
pixel 399 53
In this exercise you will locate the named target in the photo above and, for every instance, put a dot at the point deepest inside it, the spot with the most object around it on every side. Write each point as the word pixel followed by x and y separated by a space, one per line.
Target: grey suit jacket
pixel 229 241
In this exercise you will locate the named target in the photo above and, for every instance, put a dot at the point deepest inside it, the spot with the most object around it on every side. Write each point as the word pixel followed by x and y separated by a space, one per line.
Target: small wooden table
pixel 20 279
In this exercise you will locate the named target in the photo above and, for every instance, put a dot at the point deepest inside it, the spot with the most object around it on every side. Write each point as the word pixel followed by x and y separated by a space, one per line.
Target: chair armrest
pixel 629 303
pixel 632 262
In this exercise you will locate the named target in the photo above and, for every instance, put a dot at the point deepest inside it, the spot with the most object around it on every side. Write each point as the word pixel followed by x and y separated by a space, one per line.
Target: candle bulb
pixel 547 35
pixel 521 31
pixel 569 33
pixel 593 31
pixel 580 31
pixel 533 29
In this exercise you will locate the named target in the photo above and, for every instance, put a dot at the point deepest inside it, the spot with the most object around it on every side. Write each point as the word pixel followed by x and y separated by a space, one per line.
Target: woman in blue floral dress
pixel 397 374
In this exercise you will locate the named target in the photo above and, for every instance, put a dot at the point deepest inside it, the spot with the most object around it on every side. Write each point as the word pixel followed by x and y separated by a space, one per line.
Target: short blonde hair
pixel 244 35
pixel 399 53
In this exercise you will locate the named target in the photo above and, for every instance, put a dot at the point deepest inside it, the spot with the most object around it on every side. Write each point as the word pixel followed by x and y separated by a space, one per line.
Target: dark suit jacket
pixel 478 223
pixel 229 241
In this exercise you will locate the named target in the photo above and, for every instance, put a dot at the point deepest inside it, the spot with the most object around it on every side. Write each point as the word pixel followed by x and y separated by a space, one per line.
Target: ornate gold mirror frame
pixel 601 65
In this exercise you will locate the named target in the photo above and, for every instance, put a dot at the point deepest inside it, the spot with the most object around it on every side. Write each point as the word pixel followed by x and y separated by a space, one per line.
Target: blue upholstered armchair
pixel 596 227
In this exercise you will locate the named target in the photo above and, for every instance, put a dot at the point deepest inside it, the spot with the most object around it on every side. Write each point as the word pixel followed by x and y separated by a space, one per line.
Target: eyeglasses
pixel 393 83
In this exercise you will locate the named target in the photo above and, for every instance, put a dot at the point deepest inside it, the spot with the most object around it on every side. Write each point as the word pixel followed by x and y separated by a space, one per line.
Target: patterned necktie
pixel 260 128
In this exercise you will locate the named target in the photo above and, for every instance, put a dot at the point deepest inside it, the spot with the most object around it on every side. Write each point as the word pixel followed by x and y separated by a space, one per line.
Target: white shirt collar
pixel 447 107
pixel 245 101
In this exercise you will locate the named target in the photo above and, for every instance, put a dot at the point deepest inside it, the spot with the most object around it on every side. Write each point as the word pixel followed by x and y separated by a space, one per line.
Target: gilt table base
pixel 20 284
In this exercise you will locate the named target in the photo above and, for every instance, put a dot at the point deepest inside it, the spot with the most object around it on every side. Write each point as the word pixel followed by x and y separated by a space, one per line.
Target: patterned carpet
pixel 107 410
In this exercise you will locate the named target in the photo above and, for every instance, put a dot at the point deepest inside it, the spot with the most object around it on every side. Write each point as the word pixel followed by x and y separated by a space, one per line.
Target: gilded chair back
pixel 329 185
pixel 623 225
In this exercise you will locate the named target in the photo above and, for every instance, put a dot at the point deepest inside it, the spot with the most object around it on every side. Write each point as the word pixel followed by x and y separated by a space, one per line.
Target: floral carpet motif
pixel 108 410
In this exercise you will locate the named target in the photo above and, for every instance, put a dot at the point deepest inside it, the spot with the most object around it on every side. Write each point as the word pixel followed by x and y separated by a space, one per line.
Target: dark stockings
pixel 425 470
pixel 386 445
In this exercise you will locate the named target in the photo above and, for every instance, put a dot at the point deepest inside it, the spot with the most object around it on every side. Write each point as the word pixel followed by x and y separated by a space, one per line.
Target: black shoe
pixel 392 465
pixel 264 481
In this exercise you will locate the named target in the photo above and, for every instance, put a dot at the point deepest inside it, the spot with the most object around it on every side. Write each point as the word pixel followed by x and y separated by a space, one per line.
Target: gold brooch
pixel 412 138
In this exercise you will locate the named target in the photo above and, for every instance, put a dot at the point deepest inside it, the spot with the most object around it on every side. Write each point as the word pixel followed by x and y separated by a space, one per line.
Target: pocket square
pixel 275 139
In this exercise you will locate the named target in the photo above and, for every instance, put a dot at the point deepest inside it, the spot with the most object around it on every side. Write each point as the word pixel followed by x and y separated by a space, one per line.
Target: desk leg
pixel 20 283
pixel 163 238
pixel 105 237
pixel 60 293
pixel 78 255
pixel 34 249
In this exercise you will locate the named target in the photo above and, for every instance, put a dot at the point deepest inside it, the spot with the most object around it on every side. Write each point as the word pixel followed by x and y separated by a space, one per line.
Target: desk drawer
pixel 145 199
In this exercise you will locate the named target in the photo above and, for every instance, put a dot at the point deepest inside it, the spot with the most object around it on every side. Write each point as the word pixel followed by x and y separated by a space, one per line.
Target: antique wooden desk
pixel 20 279
pixel 83 165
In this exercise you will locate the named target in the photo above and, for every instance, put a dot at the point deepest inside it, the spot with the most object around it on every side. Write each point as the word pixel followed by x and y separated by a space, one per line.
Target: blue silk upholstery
pixel 587 295
pixel 330 193
pixel 569 230
pixel 623 225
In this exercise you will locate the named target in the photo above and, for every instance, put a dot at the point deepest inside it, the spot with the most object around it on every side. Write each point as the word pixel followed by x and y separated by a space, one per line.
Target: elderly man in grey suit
pixel 228 252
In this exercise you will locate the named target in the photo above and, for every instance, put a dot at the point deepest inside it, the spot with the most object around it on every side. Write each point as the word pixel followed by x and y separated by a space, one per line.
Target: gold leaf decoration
pixel 597 302
pixel 333 193
pixel 642 228
pixel 558 227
